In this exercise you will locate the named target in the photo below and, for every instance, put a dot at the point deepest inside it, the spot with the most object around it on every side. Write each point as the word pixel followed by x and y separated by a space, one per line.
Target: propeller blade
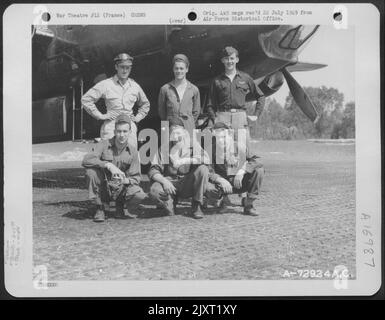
pixel 300 97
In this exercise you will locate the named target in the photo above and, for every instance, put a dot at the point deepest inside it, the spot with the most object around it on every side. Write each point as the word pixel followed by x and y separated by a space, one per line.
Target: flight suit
pixel 170 105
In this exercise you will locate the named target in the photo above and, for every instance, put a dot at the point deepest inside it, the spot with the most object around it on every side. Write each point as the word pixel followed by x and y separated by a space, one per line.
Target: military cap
pixel 228 51
pixel 220 125
pixel 123 57
pixel 174 121
pixel 123 118
pixel 181 57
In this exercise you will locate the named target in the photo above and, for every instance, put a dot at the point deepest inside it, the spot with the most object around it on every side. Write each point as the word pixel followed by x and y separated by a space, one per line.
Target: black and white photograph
pixel 182 151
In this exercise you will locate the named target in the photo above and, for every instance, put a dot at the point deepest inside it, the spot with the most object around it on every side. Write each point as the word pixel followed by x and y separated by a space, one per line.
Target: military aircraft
pixel 67 60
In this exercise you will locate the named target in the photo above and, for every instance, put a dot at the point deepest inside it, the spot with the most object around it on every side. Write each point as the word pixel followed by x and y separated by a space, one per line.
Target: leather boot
pixel 224 203
pixel 248 207
pixel 99 214
pixel 205 203
pixel 196 211
pixel 219 204
pixel 168 206
pixel 123 212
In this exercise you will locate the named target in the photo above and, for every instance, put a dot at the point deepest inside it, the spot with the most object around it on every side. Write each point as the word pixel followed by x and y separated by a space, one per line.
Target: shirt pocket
pixel 130 98
pixel 172 109
pixel 242 87
pixel 172 104
pixel 223 90
pixel 111 97
pixel 124 165
pixel 172 97
pixel 126 160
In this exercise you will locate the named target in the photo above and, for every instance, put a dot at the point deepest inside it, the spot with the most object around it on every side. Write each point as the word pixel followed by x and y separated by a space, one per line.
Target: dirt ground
pixel 306 222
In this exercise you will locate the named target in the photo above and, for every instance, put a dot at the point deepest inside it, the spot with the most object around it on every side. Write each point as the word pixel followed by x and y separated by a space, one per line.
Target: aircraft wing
pixel 46 34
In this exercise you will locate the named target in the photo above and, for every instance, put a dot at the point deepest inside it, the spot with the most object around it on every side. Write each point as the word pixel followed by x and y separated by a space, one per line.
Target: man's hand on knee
pixel 114 170
pixel 213 192
pixel 168 187
pixel 225 185
pixel 238 179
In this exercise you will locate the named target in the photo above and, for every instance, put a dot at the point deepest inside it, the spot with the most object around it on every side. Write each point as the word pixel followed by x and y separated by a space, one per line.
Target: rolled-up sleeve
pixel 91 97
pixel 93 158
pixel 144 105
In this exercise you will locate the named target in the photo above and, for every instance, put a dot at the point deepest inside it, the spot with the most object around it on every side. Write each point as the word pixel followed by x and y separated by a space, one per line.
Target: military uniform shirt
pixel 168 169
pixel 226 94
pixel 118 98
pixel 106 152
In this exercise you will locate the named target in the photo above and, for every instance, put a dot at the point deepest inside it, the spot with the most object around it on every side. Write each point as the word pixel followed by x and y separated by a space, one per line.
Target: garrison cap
pixel 123 118
pixel 228 51
pixel 174 121
pixel 181 57
pixel 123 57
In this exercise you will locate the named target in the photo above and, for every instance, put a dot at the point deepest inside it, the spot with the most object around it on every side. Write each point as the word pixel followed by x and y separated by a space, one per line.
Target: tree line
pixel 277 122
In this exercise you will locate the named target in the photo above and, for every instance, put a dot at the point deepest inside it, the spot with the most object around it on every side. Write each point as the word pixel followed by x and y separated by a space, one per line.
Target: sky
pixel 334 48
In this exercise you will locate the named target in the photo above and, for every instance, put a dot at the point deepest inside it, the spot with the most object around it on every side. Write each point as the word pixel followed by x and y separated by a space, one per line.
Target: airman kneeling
pixel 113 172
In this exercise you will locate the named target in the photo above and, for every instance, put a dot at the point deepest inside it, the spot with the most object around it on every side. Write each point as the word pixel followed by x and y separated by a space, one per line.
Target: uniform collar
pixel 116 81
pixel 237 73
pixel 111 144
pixel 189 84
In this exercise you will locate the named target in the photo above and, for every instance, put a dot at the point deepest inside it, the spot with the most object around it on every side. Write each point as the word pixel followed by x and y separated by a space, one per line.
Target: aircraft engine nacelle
pixel 270 84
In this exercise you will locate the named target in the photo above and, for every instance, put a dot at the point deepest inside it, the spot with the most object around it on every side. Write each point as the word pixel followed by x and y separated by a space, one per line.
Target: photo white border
pixel 17 106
